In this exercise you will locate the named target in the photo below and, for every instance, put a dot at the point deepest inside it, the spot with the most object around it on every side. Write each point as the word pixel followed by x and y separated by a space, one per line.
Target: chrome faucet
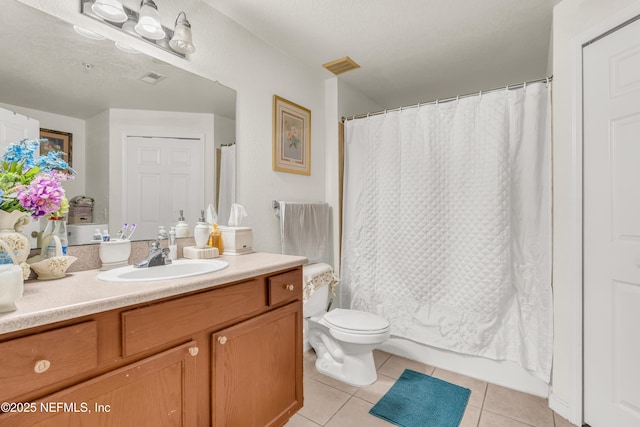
pixel 157 256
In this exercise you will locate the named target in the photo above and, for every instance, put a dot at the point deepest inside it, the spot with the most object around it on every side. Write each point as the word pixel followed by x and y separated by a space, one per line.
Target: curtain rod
pixel 455 98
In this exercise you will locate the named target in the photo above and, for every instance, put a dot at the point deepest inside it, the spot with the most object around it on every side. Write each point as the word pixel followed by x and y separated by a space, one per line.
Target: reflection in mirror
pixel 147 136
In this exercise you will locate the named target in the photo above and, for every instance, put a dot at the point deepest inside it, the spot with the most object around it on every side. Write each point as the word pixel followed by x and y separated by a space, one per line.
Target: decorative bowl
pixel 54 267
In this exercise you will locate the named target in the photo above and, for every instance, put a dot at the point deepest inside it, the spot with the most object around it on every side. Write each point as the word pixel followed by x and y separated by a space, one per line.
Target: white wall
pixel 74 187
pixel 229 54
pixel 570 19
pixel 342 101
pixel 224 131
pixel 98 163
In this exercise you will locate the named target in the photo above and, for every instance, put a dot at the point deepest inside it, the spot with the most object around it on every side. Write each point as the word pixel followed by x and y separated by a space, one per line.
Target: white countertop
pixel 81 293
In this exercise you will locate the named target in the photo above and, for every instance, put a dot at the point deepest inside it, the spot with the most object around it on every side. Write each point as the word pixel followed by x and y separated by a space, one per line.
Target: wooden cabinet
pixel 257 365
pixel 230 355
pixel 156 391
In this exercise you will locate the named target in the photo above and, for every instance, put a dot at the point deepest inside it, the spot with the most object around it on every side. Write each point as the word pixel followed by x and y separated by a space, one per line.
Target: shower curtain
pixel 447 224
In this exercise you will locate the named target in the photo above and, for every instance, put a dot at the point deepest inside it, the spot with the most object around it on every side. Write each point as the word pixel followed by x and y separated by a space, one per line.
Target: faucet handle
pixel 155 245
pixel 165 256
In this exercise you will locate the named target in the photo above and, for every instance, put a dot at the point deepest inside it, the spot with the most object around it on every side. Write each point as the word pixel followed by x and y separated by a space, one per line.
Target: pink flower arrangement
pixel 32 184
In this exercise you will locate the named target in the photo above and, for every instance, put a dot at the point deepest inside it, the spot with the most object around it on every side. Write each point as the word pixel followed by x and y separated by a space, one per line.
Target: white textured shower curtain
pixel 447 224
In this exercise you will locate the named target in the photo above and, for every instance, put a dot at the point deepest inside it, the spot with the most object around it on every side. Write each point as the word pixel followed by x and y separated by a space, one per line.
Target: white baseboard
pixel 559 406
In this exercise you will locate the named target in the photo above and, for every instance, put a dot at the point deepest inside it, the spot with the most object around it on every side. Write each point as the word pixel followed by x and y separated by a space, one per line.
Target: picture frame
pixel 291 137
pixel 57 141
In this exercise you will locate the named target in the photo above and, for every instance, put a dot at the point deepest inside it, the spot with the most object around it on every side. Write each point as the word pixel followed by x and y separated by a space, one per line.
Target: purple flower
pixel 43 196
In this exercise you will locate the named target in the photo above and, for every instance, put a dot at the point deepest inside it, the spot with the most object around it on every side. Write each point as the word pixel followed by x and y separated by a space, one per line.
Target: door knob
pixel 222 340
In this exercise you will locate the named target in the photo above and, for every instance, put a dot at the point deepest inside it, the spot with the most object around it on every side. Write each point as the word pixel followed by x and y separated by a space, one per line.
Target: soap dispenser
pixel 182 228
pixel 215 239
pixel 201 232
pixel 173 247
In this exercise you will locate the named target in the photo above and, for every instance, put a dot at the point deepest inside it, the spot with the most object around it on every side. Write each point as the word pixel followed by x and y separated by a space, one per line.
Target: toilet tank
pixel 317 302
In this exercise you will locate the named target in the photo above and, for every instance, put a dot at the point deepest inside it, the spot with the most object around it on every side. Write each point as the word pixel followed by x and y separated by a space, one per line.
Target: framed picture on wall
pixel 291 137
pixel 56 141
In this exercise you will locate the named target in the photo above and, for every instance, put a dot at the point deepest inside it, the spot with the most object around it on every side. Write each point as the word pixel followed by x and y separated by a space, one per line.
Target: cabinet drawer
pixel 285 287
pixel 147 327
pixel 43 359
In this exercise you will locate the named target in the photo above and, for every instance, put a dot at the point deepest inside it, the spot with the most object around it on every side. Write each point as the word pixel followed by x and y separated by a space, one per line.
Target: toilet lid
pixel 355 321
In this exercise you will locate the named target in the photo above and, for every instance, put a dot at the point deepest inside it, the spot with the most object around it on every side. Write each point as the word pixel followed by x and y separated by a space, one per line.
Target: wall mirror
pixel 49 70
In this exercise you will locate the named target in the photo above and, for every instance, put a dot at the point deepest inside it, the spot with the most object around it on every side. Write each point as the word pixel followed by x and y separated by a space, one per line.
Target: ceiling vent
pixel 341 65
pixel 152 78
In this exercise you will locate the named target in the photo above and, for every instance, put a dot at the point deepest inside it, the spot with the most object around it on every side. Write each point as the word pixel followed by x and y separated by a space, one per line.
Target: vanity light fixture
pixel 149 25
pixel 181 40
pixel 145 25
pixel 126 48
pixel 129 27
pixel 111 10
pixel 87 33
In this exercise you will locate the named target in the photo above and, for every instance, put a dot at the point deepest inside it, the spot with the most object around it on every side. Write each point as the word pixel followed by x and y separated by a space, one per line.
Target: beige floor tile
pixel 321 401
pixel 478 388
pixel 471 417
pixel 310 371
pixel 356 414
pixel 395 365
pixel 374 392
pixel 561 422
pixel 489 419
pixel 347 388
pixel 379 357
pixel 300 421
pixel 519 406
pixel 309 362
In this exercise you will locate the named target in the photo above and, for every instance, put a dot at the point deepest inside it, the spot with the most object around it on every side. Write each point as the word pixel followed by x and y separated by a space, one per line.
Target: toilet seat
pixel 355 322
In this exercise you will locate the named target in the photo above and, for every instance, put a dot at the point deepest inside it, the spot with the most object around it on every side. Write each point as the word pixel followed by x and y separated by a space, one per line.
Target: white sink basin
pixel 176 270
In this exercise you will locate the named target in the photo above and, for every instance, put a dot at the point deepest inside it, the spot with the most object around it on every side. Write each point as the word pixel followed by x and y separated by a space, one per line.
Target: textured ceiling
pixel 410 50
pixel 47 66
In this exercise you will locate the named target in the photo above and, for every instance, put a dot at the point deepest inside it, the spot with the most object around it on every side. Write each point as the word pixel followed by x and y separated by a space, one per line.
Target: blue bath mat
pixel 418 400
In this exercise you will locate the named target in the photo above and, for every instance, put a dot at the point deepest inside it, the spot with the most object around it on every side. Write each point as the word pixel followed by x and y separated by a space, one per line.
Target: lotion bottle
pixel 201 232
pixel 182 228
pixel 215 239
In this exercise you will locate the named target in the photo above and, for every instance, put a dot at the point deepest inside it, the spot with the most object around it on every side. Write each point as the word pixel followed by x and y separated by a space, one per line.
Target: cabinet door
pixel 156 391
pixel 257 370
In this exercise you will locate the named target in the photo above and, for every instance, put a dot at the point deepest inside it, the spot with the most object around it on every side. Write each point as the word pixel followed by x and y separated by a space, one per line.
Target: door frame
pixel 575 405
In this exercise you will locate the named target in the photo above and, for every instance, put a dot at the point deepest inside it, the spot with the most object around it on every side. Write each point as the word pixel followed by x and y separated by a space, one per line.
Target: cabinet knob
pixel 222 339
pixel 41 366
pixel 290 287
pixel 193 351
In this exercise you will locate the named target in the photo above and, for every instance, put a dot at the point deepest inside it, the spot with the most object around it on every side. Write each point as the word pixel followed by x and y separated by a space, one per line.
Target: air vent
pixel 341 65
pixel 152 78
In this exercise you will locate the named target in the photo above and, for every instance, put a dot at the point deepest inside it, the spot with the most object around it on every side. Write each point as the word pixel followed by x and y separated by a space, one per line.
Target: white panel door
pixel 164 175
pixel 14 127
pixel 611 108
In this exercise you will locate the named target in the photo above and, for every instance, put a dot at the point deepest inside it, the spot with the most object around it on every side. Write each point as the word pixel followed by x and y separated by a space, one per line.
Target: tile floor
pixel 330 403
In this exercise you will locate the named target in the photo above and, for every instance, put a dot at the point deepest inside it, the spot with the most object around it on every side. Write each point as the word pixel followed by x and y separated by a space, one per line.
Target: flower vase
pixel 11 224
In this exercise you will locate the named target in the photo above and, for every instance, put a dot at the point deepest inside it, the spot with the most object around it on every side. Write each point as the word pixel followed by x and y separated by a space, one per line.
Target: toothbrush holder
pixel 114 253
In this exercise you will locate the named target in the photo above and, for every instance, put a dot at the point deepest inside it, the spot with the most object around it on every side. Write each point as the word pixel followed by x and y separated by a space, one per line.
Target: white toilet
pixel 344 339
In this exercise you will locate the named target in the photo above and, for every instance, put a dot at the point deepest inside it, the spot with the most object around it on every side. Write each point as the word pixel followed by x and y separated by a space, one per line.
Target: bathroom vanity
pixel 220 349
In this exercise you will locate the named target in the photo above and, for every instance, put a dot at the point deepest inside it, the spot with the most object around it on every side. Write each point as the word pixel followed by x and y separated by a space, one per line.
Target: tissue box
pixel 236 240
